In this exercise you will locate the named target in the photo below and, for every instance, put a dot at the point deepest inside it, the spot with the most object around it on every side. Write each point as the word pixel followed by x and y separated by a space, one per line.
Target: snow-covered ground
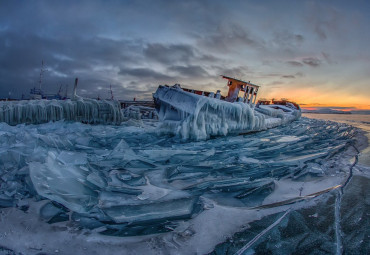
pixel 71 188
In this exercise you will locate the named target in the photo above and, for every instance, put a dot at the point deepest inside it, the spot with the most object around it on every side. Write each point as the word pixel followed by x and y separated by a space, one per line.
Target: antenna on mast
pixel 111 93
pixel 41 74
pixel 66 92
pixel 60 90
pixel 75 90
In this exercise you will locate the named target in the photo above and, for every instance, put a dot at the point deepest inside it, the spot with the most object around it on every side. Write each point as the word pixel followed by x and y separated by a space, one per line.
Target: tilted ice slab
pixel 41 111
pixel 63 183
pixel 167 208
pixel 196 117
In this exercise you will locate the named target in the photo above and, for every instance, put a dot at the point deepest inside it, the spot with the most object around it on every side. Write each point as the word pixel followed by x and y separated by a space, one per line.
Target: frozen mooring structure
pixel 42 111
pixel 80 109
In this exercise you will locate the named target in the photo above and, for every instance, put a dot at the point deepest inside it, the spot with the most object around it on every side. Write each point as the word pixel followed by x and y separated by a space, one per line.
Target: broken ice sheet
pixel 153 211
pixel 64 184
pixel 131 173
pixel 72 158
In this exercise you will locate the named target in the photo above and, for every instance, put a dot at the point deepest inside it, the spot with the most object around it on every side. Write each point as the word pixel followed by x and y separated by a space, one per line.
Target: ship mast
pixel 41 74
pixel 66 93
pixel 111 92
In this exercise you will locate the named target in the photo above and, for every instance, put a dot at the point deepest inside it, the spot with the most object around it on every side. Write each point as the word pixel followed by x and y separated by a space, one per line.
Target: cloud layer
pixel 136 45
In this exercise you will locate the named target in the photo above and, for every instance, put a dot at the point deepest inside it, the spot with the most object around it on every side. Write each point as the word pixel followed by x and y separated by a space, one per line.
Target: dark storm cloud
pixel 299 74
pixel 294 63
pixel 71 53
pixel 65 59
pixel 67 39
pixel 271 75
pixel 80 40
pixel 135 45
pixel 237 72
pixel 276 83
pixel 323 19
pixel 230 36
pixel 208 58
pixel 328 58
pixel 189 71
pixel 288 76
pixel 298 38
pixel 287 40
pixel 169 54
pixel 173 54
pixel 144 73
pixel 314 62
pixel 140 89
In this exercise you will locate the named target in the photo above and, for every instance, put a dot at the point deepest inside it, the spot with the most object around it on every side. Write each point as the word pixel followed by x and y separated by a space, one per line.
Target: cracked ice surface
pixel 128 180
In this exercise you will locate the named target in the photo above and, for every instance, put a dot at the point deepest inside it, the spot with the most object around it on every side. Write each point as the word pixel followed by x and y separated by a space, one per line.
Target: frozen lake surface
pixel 94 189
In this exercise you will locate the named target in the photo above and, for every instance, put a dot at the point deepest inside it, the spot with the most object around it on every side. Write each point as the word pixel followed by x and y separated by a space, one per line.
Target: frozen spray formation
pixel 41 111
pixel 216 118
pixel 197 117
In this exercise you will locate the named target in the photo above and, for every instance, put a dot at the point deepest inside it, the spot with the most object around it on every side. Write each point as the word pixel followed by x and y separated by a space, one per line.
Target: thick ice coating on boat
pixel 198 117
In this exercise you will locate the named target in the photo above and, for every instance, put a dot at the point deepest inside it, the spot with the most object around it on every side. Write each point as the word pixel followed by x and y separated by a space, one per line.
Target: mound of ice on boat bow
pixel 41 111
pixel 193 116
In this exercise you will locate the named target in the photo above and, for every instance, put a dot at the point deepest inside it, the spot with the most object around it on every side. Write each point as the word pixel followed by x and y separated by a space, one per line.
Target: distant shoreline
pixel 351 113
pixel 328 112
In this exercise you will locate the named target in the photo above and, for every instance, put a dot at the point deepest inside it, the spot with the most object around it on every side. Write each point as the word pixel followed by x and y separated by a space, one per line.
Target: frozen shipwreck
pixel 199 114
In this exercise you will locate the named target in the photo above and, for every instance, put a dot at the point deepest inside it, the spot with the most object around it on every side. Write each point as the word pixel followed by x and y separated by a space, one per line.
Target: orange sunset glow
pixel 319 96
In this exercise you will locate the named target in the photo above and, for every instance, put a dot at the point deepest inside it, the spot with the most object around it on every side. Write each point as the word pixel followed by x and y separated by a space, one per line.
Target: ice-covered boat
pixel 199 114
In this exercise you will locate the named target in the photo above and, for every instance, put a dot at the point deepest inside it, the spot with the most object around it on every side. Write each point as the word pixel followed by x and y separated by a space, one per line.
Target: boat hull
pixel 195 116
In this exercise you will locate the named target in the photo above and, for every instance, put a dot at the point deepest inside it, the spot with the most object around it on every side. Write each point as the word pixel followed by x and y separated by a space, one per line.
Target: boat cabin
pixel 247 90
pixel 239 91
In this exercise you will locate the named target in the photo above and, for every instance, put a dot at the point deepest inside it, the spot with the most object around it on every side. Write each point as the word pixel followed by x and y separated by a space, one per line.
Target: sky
pixel 313 52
